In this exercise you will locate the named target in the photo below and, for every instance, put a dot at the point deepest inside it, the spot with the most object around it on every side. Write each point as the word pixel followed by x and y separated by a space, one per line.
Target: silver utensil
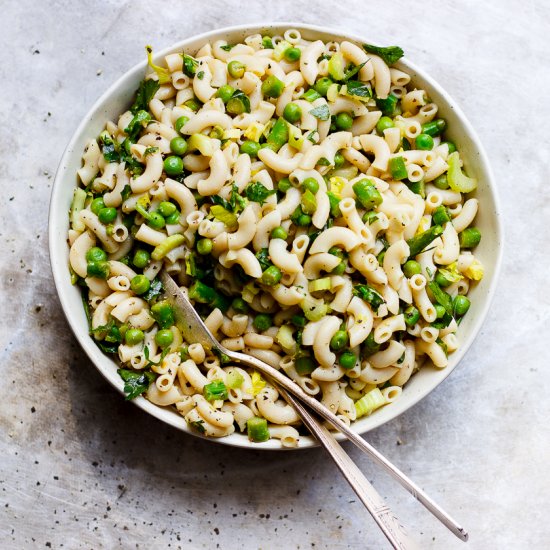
pixel 193 329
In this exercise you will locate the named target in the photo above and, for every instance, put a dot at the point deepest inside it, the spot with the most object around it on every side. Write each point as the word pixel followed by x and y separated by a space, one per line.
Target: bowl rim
pixel 57 247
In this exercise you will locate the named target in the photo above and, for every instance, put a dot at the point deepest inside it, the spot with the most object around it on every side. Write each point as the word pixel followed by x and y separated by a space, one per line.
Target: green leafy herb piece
pixel 147 89
pixel 189 65
pixel 243 98
pixel 257 192
pixel 200 75
pixel 322 112
pixel 135 382
pixel 263 257
pixel 390 54
pixel 352 71
pixel 441 297
pixel 107 347
pixel 359 89
pixel 140 120
pixel 198 425
pixel 444 322
pixel 369 295
pixel 237 202
pixel 227 47
pixel 155 290
pixel 216 199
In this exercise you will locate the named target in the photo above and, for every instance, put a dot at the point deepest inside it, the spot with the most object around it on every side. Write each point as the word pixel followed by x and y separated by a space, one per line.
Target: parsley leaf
pixel 263 257
pixel 360 89
pixel 369 295
pixel 135 382
pixel 200 75
pixel 321 112
pixel 352 71
pixel 390 55
pixel 189 65
pixel 155 290
pixel 237 202
pixel 441 297
pixel 147 89
pixel 140 120
pixel 126 192
pixel 216 199
pixel 257 192
pixel 227 47
pixel 107 347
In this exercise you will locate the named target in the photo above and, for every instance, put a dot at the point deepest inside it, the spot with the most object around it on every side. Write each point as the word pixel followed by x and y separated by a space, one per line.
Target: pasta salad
pixel 302 193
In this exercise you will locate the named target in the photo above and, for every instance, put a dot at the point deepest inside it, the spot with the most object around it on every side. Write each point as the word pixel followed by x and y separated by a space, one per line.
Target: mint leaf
pixel 135 382
pixel 257 192
pixel 147 89
pixel 390 54
pixel 321 112
pixel 359 89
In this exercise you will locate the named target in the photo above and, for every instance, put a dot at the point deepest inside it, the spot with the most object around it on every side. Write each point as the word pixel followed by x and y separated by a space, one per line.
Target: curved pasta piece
pixel 335 236
pixel 77 253
pixel 284 260
pixel 308 61
pixel 246 231
pixel 321 346
pixel 219 175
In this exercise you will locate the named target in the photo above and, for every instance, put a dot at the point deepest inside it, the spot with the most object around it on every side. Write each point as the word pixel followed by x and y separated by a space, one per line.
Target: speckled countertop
pixel 81 468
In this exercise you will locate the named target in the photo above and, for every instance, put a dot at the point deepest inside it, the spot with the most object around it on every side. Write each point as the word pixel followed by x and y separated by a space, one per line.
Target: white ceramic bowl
pixel 117 99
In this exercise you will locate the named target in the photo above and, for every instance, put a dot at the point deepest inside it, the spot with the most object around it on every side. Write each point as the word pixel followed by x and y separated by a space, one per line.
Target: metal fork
pixel 194 330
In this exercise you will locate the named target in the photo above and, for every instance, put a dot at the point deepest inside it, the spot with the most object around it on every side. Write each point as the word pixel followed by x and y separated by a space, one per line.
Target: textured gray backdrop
pixel 80 468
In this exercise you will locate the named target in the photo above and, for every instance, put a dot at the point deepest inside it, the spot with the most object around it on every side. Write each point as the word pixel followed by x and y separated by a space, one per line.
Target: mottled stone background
pixel 80 468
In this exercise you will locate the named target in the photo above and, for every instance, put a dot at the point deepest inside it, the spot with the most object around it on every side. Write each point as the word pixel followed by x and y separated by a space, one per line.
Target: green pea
pixel 267 42
pixel 412 316
pixel 236 106
pixel 347 360
pixel 384 123
pixel 96 254
pixel 304 364
pixel 239 305
pixel 141 258
pixel 299 320
pixel 312 184
pixel 193 104
pixel 279 233
pixel 262 321
pixel 339 160
pixel 271 276
pixel 140 284
pixel 99 269
pixel 411 268
pixel 181 122
pixel 292 112
pixel 156 221
pixel 172 219
pixel 450 145
pixel 134 336
pixel 441 280
pixel 235 69
pixel 461 305
pixel 173 166
pixel 424 142
pixel 470 237
pixel 284 185
pixel 178 146
pixel 441 182
pixel 164 337
pixel 97 205
pixel 250 148
pixel 272 86
pixel 344 121
pixel 339 340
pixel 204 246
pixel 336 251
pixel 167 208
pixel 439 311
pixel 303 220
pixel 225 92
pixel 322 85
pixel 292 54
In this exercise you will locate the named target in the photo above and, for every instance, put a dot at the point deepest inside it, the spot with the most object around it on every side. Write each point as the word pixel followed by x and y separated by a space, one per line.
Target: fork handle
pixel 379 510
pixel 321 410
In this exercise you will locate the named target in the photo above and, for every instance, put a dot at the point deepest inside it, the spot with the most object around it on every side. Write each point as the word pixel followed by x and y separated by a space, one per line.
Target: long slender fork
pixel 194 330
pixel 379 510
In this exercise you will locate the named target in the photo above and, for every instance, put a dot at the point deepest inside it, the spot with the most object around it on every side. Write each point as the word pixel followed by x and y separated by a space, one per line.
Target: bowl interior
pixel 117 99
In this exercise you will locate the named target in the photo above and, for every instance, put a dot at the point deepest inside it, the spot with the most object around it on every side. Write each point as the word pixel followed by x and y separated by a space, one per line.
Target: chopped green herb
pixel 135 382
pixel 257 192
pixel 155 290
pixel 322 112
pixel 390 54
pixel 147 89
pixel 359 89
pixel 369 295
pixel 189 65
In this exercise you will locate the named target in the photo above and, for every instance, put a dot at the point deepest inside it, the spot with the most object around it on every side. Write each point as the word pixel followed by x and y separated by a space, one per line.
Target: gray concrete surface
pixel 80 468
